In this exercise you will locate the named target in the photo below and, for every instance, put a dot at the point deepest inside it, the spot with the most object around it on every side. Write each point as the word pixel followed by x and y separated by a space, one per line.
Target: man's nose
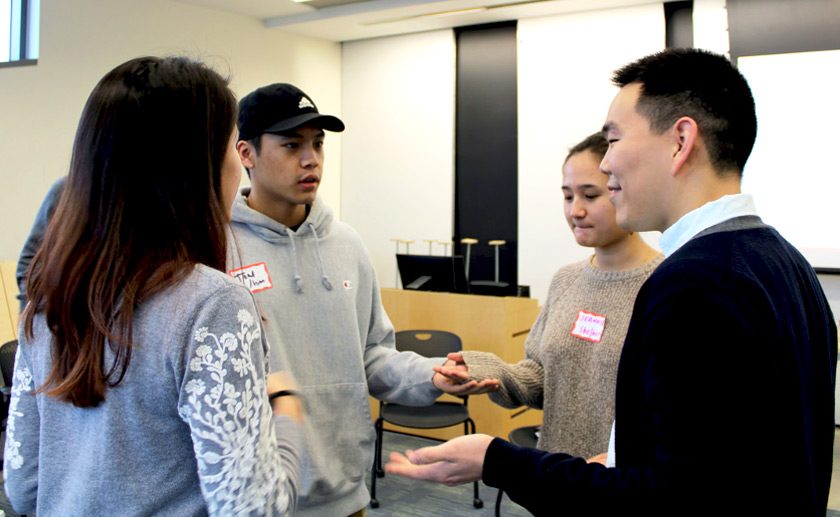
pixel 310 156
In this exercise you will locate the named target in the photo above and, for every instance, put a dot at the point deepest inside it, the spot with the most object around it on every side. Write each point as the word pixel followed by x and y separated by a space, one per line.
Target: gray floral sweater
pixel 188 431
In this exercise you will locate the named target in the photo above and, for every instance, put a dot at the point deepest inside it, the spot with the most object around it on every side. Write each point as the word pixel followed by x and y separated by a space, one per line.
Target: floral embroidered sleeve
pixel 248 459
pixel 20 458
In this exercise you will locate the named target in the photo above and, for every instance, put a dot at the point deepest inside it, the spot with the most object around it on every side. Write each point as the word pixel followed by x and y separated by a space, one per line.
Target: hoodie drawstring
pixel 298 278
pixel 325 280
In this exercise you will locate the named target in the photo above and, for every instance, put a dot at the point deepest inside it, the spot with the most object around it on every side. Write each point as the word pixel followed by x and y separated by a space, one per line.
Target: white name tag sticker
pixel 589 326
pixel 255 277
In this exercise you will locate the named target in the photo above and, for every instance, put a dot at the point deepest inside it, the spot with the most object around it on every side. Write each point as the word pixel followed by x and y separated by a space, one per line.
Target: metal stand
pixel 496 244
pixel 445 245
pixel 469 241
pixel 495 286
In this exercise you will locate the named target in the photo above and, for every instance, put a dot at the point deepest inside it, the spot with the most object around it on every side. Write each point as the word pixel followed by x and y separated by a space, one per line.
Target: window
pixel 19 31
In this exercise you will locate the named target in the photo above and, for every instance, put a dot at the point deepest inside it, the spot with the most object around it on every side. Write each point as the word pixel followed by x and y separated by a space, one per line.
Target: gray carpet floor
pixel 400 497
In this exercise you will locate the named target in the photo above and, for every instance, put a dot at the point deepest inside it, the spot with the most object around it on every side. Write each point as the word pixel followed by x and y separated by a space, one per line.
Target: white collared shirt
pixel 708 215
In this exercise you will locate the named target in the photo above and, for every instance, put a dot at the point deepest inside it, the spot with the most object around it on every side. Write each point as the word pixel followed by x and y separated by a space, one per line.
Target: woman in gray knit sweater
pixel 141 381
pixel 573 348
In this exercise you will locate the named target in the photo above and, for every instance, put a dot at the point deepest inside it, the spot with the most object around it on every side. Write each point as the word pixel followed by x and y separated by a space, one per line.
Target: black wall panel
pixel 486 146
pixel 679 24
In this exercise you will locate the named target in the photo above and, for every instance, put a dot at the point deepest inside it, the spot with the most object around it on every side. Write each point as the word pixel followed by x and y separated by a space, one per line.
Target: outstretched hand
pixel 457 461
pixel 453 377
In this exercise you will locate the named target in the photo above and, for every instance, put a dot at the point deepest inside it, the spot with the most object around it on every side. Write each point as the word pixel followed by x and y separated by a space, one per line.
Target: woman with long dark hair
pixel 141 382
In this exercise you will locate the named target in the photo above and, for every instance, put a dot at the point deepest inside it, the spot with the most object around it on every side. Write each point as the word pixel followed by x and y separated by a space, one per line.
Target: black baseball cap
pixel 280 107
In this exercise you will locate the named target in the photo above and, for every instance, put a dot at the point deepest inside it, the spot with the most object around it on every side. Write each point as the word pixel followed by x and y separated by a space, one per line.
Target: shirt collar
pixel 708 215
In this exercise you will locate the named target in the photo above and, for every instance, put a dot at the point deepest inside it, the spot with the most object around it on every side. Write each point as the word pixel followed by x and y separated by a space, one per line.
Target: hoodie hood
pixel 318 220
pixel 316 226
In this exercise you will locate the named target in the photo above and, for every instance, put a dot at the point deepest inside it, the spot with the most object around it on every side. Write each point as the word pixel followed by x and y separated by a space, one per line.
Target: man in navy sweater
pixel 725 389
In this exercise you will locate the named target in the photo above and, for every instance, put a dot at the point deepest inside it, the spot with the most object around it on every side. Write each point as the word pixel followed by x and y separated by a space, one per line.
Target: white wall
pixel 565 63
pixel 83 39
pixel 711 26
pixel 778 169
pixel 397 165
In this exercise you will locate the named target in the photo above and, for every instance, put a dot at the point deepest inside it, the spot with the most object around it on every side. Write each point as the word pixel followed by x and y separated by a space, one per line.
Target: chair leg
pixel 477 502
pixel 373 502
pixel 469 428
pixel 499 497
pixel 379 426
pixel 376 468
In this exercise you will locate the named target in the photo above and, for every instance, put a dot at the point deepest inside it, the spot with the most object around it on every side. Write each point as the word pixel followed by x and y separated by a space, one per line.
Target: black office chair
pixel 428 343
pixel 524 437
pixel 7 370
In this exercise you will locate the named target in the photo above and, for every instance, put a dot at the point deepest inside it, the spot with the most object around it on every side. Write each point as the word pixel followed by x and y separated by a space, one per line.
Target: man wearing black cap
pixel 318 297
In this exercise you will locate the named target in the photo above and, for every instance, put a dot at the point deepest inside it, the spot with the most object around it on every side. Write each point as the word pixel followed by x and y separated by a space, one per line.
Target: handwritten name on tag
pixel 589 326
pixel 255 277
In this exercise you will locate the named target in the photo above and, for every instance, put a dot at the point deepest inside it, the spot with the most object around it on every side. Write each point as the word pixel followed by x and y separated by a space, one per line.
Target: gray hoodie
pixel 317 294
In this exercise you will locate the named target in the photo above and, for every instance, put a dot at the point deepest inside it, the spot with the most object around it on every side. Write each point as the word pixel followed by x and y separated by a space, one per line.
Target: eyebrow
pixel 295 134
pixel 609 126
pixel 585 186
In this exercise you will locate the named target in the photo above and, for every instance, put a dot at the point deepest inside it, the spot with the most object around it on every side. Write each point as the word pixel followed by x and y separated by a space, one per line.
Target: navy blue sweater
pixel 724 396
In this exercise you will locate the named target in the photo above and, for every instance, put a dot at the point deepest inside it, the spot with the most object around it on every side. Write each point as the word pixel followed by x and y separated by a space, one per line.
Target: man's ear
pixel 246 153
pixel 685 134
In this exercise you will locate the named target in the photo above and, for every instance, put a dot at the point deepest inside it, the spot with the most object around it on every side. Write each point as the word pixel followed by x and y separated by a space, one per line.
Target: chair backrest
pixel 7 361
pixel 428 343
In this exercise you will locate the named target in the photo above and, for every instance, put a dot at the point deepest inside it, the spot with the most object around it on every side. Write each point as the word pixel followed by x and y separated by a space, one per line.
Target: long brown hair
pixel 142 205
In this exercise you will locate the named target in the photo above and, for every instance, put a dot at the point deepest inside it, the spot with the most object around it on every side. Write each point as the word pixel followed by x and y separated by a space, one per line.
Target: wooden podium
pixel 485 323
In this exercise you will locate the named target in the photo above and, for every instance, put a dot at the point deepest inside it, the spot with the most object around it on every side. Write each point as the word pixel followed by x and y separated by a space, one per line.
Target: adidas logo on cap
pixel 305 103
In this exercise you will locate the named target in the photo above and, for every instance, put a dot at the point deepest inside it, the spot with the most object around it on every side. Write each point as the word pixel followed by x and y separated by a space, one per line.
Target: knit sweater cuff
pixel 483 365
pixel 521 383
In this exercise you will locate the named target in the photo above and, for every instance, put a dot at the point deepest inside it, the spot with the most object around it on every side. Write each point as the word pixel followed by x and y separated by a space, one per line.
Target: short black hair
pixel 704 86
pixel 595 143
pixel 256 142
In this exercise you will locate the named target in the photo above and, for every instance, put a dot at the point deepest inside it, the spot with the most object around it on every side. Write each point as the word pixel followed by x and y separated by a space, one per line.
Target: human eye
pixel 591 193
pixel 318 144
pixel 291 145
